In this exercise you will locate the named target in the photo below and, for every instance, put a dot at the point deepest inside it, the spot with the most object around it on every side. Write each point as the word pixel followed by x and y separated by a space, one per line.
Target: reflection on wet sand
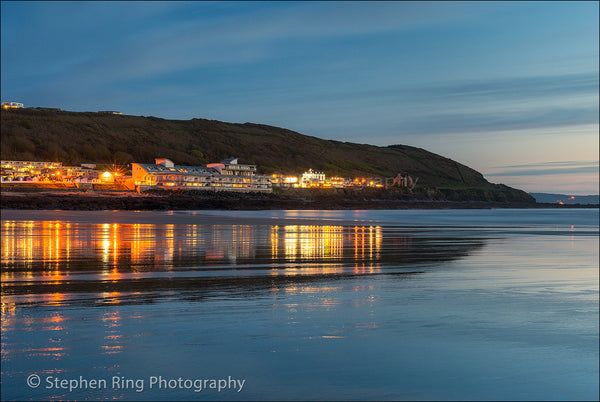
pixel 57 263
pixel 358 309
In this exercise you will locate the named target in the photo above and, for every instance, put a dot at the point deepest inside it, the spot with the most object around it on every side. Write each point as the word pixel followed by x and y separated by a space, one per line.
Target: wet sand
pixel 156 217
pixel 422 305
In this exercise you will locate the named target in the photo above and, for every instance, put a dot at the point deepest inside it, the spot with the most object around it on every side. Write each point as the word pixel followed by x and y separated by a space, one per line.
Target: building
pixel 312 178
pixel 231 167
pixel 278 180
pixel 12 105
pixel 404 180
pixel 227 175
pixel 367 182
pixel 338 182
pixel 45 171
pixel 30 170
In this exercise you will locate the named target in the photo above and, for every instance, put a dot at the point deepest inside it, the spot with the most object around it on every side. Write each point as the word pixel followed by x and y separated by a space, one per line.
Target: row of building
pixel 31 171
pixel 312 179
pixel 231 175
pixel 163 174
pixel 227 175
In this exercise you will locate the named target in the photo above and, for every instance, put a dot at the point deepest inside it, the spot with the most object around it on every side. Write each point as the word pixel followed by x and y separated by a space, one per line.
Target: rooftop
pixel 152 168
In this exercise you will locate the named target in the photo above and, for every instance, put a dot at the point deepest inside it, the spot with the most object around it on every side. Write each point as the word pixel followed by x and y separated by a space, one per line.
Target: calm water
pixel 477 304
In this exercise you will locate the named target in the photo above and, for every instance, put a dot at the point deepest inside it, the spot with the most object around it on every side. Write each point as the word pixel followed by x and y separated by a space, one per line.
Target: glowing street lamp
pixel 107 177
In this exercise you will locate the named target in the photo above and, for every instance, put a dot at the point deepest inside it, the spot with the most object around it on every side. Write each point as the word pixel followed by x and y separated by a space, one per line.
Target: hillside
pixel 74 137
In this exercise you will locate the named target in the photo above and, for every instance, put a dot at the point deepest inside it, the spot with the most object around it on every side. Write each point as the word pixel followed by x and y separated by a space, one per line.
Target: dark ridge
pixel 80 137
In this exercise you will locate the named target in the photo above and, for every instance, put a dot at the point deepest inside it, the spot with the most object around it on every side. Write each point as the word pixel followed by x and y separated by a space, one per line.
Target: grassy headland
pixel 74 137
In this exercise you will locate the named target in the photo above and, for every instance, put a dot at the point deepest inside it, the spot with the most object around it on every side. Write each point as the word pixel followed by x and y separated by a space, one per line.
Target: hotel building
pixel 227 175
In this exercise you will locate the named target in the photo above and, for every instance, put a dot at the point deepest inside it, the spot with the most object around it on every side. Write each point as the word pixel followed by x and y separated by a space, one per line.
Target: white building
pixel 312 178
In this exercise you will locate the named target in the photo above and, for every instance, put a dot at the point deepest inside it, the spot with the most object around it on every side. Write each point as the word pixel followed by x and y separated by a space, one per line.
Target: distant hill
pixel 75 137
pixel 566 199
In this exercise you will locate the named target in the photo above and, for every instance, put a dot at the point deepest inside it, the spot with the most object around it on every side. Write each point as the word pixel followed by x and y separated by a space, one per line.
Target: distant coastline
pixel 553 198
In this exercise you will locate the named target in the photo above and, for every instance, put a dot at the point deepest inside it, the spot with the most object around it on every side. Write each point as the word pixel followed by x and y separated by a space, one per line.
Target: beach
pixel 486 304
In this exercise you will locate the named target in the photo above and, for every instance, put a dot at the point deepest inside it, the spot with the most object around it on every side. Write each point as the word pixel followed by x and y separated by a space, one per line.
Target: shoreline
pixel 154 217
pixel 122 201
pixel 175 218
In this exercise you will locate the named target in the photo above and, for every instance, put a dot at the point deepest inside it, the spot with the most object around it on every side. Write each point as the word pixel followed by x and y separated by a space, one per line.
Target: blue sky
pixel 508 88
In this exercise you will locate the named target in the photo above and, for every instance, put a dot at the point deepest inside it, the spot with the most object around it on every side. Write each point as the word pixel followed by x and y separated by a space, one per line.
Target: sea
pixel 480 304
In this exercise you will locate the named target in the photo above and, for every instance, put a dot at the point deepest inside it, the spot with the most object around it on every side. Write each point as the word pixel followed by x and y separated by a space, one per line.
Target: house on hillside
pixel 12 105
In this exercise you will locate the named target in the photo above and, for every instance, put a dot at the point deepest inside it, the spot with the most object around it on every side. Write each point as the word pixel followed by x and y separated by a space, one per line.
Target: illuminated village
pixel 227 175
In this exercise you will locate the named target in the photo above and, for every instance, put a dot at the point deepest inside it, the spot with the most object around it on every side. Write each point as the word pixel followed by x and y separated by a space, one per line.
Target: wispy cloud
pixel 146 39
pixel 500 120
pixel 502 103
pixel 547 171
pixel 566 164
pixel 578 177
pixel 493 89
pixel 516 88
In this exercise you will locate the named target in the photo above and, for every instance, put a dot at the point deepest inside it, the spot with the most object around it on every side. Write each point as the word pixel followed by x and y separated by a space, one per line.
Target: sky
pixel 510 89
